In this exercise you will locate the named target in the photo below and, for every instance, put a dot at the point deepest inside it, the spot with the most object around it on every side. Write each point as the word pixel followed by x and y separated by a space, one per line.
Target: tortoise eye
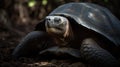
pixel 48 19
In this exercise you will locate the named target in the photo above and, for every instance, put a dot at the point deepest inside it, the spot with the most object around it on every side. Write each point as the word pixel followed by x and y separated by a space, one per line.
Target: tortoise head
pixel 58 26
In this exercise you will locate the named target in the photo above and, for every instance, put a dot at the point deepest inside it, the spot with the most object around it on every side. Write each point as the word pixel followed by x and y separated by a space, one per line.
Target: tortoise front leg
pixel 97 56
pixel 32 44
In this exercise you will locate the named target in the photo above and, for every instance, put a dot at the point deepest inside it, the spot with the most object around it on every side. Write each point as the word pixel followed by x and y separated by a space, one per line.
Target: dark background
pixel 17 18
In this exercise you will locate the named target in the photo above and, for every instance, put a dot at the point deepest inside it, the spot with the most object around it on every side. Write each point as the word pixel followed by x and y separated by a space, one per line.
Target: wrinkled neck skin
pixel 66 37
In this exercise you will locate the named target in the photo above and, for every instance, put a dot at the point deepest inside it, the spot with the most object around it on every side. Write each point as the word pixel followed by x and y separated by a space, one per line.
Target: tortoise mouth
pixel 55 30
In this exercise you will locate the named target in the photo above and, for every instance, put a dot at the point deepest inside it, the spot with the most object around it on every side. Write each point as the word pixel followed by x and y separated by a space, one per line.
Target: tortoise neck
pixel 66 39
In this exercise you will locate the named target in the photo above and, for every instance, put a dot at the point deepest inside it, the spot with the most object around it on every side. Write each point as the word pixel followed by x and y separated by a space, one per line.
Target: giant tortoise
pixel 83 30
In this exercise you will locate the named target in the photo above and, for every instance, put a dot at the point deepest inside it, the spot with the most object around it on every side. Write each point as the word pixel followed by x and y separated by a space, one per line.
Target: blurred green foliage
pixel 31 3
pixel 44 2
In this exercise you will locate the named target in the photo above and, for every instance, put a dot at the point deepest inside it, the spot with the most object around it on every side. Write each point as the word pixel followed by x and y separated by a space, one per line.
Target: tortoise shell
pixel 91 16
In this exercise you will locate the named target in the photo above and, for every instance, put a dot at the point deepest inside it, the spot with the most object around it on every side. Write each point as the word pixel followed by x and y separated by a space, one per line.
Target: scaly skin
pixel 97 56
pixel 32 44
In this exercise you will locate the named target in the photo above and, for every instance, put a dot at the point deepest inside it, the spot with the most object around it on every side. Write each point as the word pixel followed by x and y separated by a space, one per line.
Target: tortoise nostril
pixel 57 20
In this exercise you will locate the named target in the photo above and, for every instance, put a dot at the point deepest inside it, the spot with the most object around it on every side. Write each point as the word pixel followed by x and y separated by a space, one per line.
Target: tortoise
pixel 83 30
